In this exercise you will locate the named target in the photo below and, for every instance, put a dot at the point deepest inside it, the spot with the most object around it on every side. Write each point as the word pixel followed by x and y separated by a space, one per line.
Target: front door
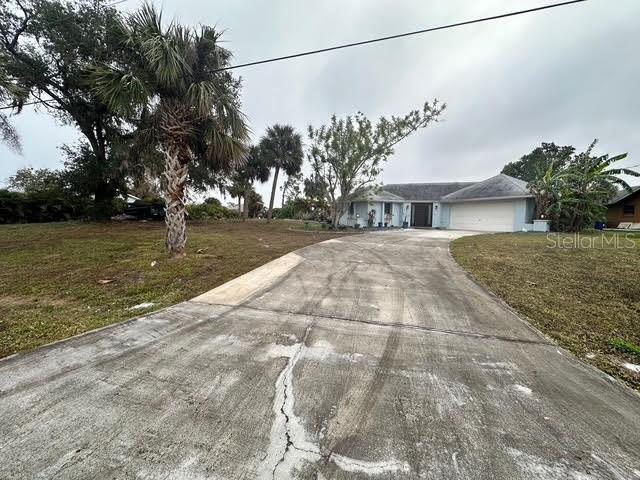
pixel 422 214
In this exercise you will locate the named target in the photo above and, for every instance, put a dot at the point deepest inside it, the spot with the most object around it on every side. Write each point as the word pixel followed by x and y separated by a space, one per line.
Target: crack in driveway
pixel 289 446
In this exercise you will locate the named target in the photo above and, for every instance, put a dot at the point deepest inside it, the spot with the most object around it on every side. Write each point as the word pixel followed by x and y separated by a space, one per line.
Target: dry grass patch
pixel 587 299
pixel 50 273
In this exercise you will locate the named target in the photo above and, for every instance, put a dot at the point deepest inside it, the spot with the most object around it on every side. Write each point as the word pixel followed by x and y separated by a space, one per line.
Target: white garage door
pixel 484 216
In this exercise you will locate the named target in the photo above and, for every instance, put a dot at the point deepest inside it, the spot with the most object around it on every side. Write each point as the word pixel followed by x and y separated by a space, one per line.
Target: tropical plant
pixel 175 73
pixel 281 148
pixel 574 193
pixel 546 190
pixel 47 48
pixel 586 186
pixel 347 154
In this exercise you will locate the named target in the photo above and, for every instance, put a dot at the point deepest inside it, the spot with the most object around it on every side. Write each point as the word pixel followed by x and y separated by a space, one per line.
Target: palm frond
pixel 121 91
pixel 202 95
pixel 146 21
pixel 165 58
pixel 225 151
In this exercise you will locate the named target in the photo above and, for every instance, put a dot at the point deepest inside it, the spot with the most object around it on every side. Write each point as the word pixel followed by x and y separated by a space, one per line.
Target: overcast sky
pixel 566 75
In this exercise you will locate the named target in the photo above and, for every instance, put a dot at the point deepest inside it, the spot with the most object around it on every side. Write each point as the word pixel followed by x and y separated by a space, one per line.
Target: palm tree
pixel 281 147
pixel 236 190
pixel 172 74
pixel 255 168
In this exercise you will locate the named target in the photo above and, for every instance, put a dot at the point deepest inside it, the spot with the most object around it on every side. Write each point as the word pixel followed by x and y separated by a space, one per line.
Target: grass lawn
pixel 587 299
pixel 50 273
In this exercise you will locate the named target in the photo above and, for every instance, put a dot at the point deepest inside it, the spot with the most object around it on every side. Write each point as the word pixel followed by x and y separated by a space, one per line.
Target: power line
pixel 375 40
pixel 400 35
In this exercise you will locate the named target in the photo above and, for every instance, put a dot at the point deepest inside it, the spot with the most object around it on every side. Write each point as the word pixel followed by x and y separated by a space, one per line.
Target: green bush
pixel 298 209
pixel 210 210
pixel 41 206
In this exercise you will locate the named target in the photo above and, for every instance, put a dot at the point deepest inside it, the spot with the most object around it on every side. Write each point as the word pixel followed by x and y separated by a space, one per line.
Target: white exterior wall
pixel 361 214
pixel 437 213
pixel 406 214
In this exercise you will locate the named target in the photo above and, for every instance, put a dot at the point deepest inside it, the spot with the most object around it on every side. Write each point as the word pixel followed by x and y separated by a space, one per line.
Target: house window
pixel 352 208
pixel 387 208
pixel 629 210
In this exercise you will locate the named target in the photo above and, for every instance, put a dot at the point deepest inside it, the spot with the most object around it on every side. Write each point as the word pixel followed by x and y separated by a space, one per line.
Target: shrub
pixel 210 210
pixel 41 206
pixel 298 208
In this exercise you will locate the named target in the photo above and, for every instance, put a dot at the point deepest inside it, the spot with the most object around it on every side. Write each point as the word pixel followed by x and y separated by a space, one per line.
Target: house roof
pixel 622 194
pixel 500 186
pixel 424 191
pixel 376 195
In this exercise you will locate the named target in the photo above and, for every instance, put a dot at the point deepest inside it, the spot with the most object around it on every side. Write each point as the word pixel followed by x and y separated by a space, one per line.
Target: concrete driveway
pixel 371 356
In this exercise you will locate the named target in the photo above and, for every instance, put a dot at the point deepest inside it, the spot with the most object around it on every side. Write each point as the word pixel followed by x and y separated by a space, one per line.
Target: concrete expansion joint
pixel 402 326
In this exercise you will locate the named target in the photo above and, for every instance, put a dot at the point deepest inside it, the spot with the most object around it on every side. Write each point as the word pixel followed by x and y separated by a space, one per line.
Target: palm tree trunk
pixel 273 194
pixel 240 204
pixel 245 213
pixel 176 176
pixel 284 191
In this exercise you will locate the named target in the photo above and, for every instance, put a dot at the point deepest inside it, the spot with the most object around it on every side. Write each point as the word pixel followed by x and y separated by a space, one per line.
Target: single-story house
pixel 624 208
pixel 501 203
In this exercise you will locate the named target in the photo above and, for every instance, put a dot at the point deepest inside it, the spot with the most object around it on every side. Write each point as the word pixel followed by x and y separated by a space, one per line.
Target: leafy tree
pixel 87 176
pixel 281 148
pixel 47 48
pixel 292 187
pixel 255 203
pixel 174 73
pixel 30 180
pixel 534 165
pixel 41 195
pixel 316 195
pixel 347 154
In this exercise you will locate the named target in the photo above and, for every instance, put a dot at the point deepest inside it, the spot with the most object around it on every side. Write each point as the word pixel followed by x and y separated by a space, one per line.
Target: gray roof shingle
pixel 622 194
pixel 500 186
pixel 376 195
pixel 427 192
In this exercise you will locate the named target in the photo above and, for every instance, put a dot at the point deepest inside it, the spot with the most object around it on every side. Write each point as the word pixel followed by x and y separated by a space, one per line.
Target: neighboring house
pixel 624 207
pixel 501 203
